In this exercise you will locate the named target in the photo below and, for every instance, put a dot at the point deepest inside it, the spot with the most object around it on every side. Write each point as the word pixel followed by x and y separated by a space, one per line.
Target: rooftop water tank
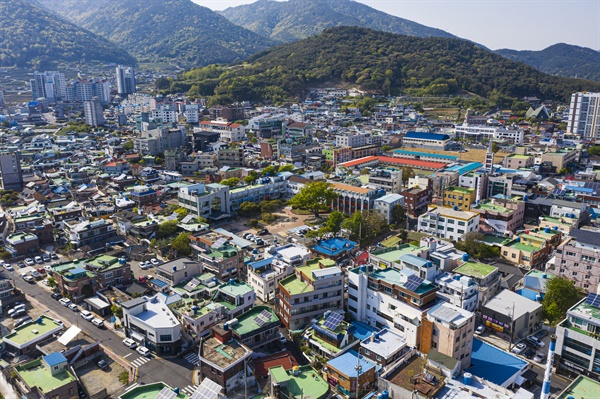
pixel 231 281
pixel 467 378
pixel 455 208
pixel 547 230
pixel 465 257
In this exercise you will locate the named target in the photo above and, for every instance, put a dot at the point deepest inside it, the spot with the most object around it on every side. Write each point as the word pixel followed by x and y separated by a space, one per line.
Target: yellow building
pixel 460 197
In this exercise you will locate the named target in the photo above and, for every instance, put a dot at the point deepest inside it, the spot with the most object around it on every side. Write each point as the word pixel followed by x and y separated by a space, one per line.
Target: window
pixel 108 275
pixel 165 338
pixel 434 345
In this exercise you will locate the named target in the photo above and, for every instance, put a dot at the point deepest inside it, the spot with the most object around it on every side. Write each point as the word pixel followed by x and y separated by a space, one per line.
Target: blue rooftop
pixel 360 330
pixel 159 283
pixel 426 136
pixel 347 362
pixel 77 270
pixel 55 359
pixel 493 364
pixel 259 264
pixel 413 260
pixel 425 154
pixel 462 169
pixel 334 246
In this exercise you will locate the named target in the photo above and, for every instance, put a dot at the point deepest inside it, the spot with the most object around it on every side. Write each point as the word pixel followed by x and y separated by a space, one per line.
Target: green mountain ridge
pixel 30 36
pixel 560 59
pixel 375 61
pixel 175 30
pixel 298 19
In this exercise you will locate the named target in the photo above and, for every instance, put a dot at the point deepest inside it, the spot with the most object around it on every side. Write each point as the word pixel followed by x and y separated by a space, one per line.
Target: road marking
pixel 190 389
pixel 140 361
pixel 129 354
pixel 132 386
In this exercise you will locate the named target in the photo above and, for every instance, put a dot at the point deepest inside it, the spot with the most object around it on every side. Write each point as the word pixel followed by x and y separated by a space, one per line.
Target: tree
pixel 399 215
pixel 269 171
pixel 334 222
pixel 166 229
pixel 4 254
pixel 386 148
pixel 231 182
pixel 594 150
pixel 495 147
pixel 561 294
pixel 182 212
pixel 248 207
pixel 407 173
pixel 181 244
pixel 286 168
pixel 117 311
pixel 128 146
pixel 313 196
pixel 365 171
pixel 252 177
pixel 52 282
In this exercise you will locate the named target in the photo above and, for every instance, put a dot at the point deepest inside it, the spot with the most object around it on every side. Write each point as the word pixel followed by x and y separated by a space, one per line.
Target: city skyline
pixel 495 24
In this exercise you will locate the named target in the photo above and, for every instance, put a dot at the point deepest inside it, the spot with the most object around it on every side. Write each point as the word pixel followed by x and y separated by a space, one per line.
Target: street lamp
pixel 512 325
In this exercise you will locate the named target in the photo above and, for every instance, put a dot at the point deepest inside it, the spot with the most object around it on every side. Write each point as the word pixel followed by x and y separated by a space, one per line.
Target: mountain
pixel 30 36
pixel 298 19
pixel 379 62
pixel 153 30
pixel 560 59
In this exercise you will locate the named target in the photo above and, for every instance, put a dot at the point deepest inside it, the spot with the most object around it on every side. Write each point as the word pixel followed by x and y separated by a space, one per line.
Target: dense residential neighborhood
pixel 349 243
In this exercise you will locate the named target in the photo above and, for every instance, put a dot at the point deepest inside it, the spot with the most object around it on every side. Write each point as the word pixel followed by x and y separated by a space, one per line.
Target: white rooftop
pixel 390 198
pixel 503 304
pixel 450 314
pixel 157 314
pixel 385 345
pixel 292 251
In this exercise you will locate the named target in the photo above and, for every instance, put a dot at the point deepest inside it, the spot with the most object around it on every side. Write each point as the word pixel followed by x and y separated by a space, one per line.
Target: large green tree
pixel 252 177
pixel 561 294
pixel 166 229
pixel 231 182
pixel 334 222
pixel 313 196
pixel 181 244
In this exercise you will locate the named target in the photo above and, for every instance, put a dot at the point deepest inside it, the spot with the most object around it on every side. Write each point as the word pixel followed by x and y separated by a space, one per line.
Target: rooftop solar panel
pixel 191 285
pixel 333 321
pixel 219 243
pixel 413 282
pixel 208 389
pixel 166 393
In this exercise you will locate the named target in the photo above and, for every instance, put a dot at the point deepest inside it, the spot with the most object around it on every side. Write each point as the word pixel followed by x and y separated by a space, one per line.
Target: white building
pixel 93 112
pixel 584 115
pixel 166 113
pixel 357 139
pixel 192 113
pixel 205 199
pixel 229 132
pixel 387 204
pixel 478 132
pixel 279 262
pixel 125 81
pixel 448 223
pixel 460 291
pixel 50 85
pixel 150 322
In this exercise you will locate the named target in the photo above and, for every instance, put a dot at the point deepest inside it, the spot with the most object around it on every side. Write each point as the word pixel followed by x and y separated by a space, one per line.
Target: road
pixel 176 372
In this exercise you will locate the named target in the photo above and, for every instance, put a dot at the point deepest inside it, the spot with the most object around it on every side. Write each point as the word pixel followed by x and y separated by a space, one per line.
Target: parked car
pixel 8 267
pixel 21 263
pixel 519 348
pixel 480 330
pixel 539 358
pixel 246 235
pixel 29 262
pixel 98 322
pixel 56 295
pixel 64 301
pixel 18 313
pixel 48 268
pixel 46 258
pixel 529 352
pixel 155 262
pixel 29 279
pixel 53 255
pixel 538 342
pixel 102 364
pixel 541 334
pixel 263 232
pixel 129 343
pixel 42 270
pixel 39 260
pixel 145 265
pixel 73 307
pixel 260 241
pixel 35 274
pixel 16 308
pixel 142 350
pixel 59 322
pixel 87 315
pixel 22 321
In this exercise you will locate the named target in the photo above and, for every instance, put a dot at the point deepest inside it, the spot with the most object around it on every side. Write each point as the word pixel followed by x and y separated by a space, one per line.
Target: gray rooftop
pixel 586 236
pixel 503 302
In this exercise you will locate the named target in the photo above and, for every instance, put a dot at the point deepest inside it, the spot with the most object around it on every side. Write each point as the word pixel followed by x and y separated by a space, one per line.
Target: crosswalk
pixel 129 388
pixel 192 358
pixel 140 361
pixel 190 389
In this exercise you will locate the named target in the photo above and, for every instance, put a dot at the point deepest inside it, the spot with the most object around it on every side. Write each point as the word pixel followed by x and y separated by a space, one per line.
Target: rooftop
pixel 394 254
pixel 307 384
pixel 346 363
pixel 502 303
pixel 148 391
pixel 236 289
pixel 334 246
pixel 385 343
pixel 247 323
pixel 223 355
pixel 32 332
pixel 582 387
pixel 404 376
pixel 493 364
pixel 36 374
pixel 475 269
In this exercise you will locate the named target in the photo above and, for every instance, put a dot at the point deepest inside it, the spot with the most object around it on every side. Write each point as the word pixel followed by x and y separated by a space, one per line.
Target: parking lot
pixel 95 380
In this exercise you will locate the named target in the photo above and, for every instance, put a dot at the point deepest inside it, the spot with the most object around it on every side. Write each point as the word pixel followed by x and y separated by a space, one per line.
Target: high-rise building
pixel 1 98
pixel 11 176
pixel 50 85
pixel 125 80
pixel 84 90
pixel 584 115
pixel 94 114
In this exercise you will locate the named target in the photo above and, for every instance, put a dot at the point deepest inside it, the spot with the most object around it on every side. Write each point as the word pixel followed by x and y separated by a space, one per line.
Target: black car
pixel 53 256
pixel 540 334
pixel 263 232
pixel 21 263
pixel 56 295
pixel 529 353
pixel 531 343
pixel 102 364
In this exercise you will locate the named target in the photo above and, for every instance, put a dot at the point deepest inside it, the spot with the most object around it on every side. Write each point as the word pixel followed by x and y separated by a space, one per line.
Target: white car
pixel 98 322
pixel 519 348
pixel 73 307
pixel 29 262
pixel 48 268
pixel 142 350
pixel 28 278
pixel 480 330
pixel 87 315
pixel 155 261
pixel 64 301
pixel 8 267
pixel 38 259
pixel 129 343
pixel 145 265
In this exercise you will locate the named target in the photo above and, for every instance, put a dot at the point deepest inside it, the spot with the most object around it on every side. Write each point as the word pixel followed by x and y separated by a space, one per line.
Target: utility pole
pixel 358 369
pixel 512 326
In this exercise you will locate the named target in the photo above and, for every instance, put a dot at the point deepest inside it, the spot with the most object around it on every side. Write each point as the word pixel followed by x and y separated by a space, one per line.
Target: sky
pixel 515 24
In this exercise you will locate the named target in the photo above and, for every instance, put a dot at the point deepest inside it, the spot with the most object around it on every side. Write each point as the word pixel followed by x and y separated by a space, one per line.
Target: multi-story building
pixel 478 133
pixel 512 315
pixel 351 199
pixel 85 233
pixel 449 330
pixel 386 205
pixel 460 197
pixel 577 212
pixel 390 298
pixel 230 156
pixel 93 112
pixel 125 80
pixel 205 200
pixel 486 277
pixel 388 179
pixel 166 113
pixel 142 195
pixel 460 291
pixel 500 216
pixel 21 244
pixel 50 85
pixel 584 116
pixel 179 270
pixel 229 132
pixel 46 377
pixel 345 379
pixel 256 328
pixel 11 176
pixel 313 289
pixel 279 262
pixel 433 141
pixel 224 260
pixel 356 139
pixel 448 223
pixel 263 189
pixel 157 141
pixel 298 129
pixel 293 149
pixel 516 161
pixel 150 322
pixel 578 259
pixel 577 343
pixel 529 250
pixel 418 195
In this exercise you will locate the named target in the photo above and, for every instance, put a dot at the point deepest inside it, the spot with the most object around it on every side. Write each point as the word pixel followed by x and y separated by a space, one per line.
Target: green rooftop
pixel 394 254
pixel 582 387
pixel 475 269
pixel 519 156
pixel 523 247
pixel 294 286
pixel 28 332
pixel 491 207
pixel 246 323
pixel 236 289
pixel 148 391
pixel 460 189
pixel 308 384
pixel 36 374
